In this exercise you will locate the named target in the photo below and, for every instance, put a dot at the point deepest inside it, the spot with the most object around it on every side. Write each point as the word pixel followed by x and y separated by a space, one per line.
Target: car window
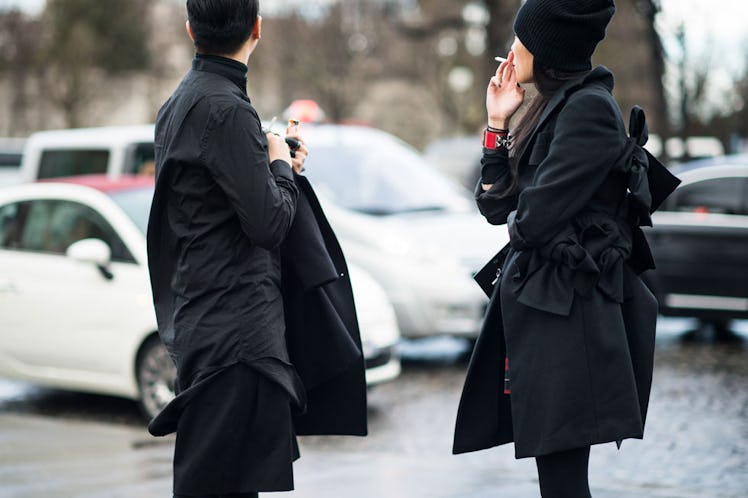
pixel 10 160
pixel 57 163
pixel 51 226
pixel 12 218
pixel 717 195
pixel 381 178
pixel 136 203
pixel 141 159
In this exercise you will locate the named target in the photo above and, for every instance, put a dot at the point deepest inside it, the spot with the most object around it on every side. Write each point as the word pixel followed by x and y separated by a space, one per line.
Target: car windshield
pixel 379 176
pixel 136 203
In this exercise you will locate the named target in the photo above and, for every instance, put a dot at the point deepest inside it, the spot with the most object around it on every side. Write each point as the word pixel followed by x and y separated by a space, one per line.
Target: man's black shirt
pixel 219 213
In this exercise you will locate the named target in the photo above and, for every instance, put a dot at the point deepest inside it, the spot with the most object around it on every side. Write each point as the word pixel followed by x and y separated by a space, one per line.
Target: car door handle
pixel 6 286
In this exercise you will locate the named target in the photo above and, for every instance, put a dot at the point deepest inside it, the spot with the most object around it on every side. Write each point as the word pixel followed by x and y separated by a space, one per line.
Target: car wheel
pixel 720 330
pixel 155 374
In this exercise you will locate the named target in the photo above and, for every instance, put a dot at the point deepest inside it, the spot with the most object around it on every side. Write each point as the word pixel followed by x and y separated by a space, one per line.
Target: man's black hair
pixel 221 27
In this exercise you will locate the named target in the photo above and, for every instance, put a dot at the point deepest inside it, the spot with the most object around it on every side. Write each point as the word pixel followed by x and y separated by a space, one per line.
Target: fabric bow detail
pixel 637 169
pixel 589 255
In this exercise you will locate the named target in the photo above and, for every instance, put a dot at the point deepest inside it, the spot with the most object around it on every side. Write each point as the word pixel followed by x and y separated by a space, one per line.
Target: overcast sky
pixel 718 28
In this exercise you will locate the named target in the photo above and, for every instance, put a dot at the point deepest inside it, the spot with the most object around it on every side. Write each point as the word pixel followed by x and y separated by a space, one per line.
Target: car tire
pixel 720 330
pixel 155 373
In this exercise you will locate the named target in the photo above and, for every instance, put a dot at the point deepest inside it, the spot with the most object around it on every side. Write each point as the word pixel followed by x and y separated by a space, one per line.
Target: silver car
pixel 412 228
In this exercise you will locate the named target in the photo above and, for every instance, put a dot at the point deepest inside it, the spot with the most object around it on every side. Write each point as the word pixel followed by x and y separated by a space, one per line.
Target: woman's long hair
pixel 548 81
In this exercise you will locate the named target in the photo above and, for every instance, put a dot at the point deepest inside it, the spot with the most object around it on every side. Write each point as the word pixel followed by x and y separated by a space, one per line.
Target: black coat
pixel 219 217
pixel 322 332
pixel 569 309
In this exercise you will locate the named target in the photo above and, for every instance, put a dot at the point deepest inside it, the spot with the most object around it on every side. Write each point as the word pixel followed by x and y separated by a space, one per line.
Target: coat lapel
pixel 556 101
pixel 559 98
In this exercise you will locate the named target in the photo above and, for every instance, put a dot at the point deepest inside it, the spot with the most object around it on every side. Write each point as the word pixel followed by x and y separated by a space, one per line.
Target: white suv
pixel 113 151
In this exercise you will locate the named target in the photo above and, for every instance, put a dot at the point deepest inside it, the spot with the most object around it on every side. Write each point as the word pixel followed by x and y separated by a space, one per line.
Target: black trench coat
pixel 322 334
pixel 569 309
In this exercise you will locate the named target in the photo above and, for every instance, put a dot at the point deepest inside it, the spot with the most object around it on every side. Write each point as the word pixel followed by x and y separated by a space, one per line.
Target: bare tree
pixel 19 47
pixel 303 59
pixel 86 40
pixel 500 28
pixel 648 9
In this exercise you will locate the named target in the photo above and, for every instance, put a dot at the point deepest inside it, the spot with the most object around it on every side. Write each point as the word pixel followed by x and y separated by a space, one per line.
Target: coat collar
pixel 601 75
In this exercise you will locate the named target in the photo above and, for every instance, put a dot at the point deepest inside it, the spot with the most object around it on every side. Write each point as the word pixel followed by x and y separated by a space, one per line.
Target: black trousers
pixel 564 474
pixel 235 438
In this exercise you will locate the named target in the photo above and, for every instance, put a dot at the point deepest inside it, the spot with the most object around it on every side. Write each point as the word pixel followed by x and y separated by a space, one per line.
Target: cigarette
pixel 500 59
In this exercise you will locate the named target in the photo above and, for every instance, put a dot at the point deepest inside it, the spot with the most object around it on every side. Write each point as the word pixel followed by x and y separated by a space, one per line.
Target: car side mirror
pixel 94 251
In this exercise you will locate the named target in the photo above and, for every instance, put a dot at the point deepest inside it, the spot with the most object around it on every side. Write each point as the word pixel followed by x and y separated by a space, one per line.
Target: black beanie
pixel 562 34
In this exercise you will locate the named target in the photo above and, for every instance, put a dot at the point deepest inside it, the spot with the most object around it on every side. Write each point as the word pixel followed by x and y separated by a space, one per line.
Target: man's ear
pixel 257 31
pixel 189 30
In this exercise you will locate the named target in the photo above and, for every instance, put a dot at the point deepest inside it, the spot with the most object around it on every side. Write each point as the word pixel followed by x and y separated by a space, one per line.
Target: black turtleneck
pixel 228 68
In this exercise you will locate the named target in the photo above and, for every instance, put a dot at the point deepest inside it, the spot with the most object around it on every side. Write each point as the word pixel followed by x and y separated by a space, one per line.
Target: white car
pixel 409 226
pixel 110 150
pixel 412 228
pixel 75 303
pixel 11 154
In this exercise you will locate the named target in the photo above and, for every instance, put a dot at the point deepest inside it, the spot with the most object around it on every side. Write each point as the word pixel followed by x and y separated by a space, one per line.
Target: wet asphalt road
pixel 61 444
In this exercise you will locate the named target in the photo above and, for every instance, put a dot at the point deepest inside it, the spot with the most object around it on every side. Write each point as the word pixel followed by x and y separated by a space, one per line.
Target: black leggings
pixel 564 474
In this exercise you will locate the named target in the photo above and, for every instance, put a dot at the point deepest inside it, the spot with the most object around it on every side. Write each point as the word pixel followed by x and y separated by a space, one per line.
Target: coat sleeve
pixel 588 138
pixel 264 195
pixel 493 203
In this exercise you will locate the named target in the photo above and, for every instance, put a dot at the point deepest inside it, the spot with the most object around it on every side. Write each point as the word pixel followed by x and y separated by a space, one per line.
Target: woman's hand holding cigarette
pixel 504 95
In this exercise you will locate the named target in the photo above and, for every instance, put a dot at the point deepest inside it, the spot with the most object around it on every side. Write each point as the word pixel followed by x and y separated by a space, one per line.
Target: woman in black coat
pixel 564 360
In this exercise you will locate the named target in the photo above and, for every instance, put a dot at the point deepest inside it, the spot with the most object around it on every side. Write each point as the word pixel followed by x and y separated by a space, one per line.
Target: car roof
pixel 730 160
pixel 713 167
pixel 106 184
pixel 11 145
pixel 327 134
pixel 103 136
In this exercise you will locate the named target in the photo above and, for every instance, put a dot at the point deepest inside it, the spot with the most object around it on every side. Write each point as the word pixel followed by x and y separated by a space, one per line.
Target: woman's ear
pixel 257 31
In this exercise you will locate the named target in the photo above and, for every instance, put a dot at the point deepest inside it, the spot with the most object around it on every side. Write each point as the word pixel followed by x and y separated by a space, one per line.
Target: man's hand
pixel 278 149
pixel 300 155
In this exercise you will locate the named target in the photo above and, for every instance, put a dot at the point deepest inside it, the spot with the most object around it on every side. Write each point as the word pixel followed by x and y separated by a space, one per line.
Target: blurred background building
pixel 416 68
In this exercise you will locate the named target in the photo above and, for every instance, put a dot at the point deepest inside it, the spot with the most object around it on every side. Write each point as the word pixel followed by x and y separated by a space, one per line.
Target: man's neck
pixel 242 55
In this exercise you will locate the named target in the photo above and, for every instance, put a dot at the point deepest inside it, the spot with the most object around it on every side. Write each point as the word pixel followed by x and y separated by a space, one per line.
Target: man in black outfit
pixel 225 199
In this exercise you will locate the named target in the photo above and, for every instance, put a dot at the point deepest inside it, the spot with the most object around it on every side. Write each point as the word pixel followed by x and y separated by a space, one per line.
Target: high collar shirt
pixel 219 214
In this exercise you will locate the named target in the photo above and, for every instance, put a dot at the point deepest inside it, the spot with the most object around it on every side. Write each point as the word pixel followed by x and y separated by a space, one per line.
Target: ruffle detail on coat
pixel 590 255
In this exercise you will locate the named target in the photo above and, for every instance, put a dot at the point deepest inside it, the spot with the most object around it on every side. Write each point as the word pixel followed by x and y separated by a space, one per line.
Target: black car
pixel 700 243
